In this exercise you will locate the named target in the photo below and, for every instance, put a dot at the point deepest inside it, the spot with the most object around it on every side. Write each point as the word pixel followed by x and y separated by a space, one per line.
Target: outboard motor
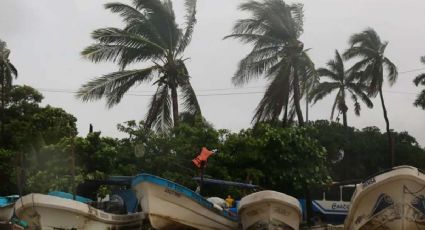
pixel 116 205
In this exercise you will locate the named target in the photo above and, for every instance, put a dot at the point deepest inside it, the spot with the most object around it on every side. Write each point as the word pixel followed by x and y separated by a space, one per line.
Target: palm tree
pixel 368 46
pixel 343 83
pixel 420 79
pixel 150 35
pixel 7 73
pixel 274 30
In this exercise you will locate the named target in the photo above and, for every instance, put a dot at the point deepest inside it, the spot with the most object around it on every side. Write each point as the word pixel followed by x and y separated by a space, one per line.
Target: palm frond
pixel 275 97
pixel 392 71
pixel 113 86
pixel 254 65
pixel 322 90
pixel 323 72
pixel 159 114
pixel 190 101
pixel 357 107
pixel 420 79
pixel 367 38
pixel 336 102
pixel 136 22
pixel 13 70
pixel 359 51
pixel 190 24
pixel 360 90
pixel 420 100
pixel 115 36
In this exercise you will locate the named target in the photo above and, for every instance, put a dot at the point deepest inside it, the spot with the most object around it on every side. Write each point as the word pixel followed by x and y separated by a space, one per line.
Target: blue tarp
pixel 69 196
pixel 129 198
pixel 6 200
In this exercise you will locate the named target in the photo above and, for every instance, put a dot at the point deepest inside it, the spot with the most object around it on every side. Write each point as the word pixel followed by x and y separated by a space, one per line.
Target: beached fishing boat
pixel 269 210
pixel 394 199
pixel 169 205
pixel 48 212
pixel 6 207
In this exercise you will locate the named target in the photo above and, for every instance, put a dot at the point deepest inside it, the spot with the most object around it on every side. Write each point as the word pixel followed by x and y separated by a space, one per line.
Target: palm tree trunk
pixel 387 122
pixel 175 102
pixel 344 110
pixel 306 104
pixel 2 118
pixel 285 116
pixel 296 85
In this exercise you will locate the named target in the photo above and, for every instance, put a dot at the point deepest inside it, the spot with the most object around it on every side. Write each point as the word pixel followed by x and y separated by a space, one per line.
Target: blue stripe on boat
pixel 144 177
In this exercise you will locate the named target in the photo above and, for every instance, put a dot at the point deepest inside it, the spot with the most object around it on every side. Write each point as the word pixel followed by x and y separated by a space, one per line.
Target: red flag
pixel 202 157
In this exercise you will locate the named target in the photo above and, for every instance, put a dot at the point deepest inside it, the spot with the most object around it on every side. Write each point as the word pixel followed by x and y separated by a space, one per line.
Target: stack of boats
pixel 165 205
pixel 394 199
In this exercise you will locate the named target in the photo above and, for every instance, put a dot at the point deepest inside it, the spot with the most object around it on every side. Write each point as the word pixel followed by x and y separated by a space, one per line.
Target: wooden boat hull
pixel 172 206
pixel 269 210
pixel 51 213
pixel 391 200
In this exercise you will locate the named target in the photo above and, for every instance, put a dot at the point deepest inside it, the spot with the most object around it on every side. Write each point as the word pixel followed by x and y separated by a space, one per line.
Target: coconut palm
pixel 368 46
pixel 420 79
pixel 7 73
pixel 343 83
pixel 150 36
pixel 273 29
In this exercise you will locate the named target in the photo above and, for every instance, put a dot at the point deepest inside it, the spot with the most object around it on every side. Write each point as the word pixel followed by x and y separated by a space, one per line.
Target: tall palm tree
pixel 273 29
pixel 7 73
pixel 344 83
pixel 368 46
pixel 150 36
pixel 420 79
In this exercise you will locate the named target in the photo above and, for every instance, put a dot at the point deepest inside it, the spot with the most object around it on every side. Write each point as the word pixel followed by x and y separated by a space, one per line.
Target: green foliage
pixel 284 159
pixel 7 175
pixel 28 126
pixel 364 150
pixel 51 169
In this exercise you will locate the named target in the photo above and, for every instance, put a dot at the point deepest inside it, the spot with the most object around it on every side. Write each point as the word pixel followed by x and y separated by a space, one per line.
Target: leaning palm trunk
pixel 387 123
pixel 2 113
pixel 344 110
pixel 296 87
pixel 174 99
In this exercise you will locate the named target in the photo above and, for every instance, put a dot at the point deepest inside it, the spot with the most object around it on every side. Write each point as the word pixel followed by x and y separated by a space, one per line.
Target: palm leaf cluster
pixel 372 68
pixel 150 36
pixel 273 30
pixel 8 72
pixel 420 80
pixel 342 81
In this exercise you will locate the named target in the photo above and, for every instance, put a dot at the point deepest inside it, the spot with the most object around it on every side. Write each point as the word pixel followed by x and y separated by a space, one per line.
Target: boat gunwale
pixel 20 207
pixel 145 177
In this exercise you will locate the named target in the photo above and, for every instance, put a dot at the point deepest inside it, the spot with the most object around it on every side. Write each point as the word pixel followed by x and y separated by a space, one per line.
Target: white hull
pixel 6 213
pixel 269 210
pixel 391 200
pixel 50 213
pixel 168 209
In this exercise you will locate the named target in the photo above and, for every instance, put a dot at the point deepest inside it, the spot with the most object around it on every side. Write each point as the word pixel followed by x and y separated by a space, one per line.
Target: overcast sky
pixel 46 37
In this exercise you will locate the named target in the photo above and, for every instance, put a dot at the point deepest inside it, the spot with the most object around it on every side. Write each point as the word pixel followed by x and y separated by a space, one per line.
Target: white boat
pixel 394 199
pixel 169 205
pixel 48 212
pixel 6 207
pixel 266 210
